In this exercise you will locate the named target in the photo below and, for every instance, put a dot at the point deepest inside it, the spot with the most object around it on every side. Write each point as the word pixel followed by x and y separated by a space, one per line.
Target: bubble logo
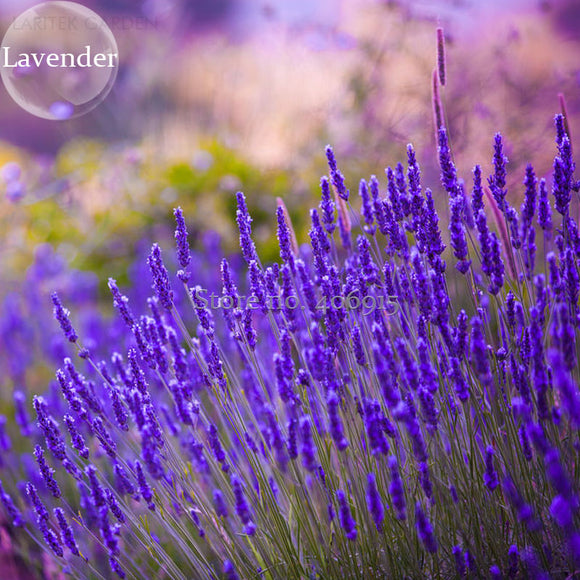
pixel 58 60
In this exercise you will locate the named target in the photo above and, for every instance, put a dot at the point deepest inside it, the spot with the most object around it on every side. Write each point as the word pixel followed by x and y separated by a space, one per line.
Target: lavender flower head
pixel 62 316
pixel 490 475
pixel 424 529
pixel 336 177
pixel 160 278
pixel 183 252
pixel 346 520
pixel 374 502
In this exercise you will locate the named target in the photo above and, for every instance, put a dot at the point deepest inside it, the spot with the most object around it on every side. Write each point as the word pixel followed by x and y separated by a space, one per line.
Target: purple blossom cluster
pixel 440 440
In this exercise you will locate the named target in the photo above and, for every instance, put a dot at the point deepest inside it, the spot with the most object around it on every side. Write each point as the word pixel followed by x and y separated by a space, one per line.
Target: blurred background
pixel 215 96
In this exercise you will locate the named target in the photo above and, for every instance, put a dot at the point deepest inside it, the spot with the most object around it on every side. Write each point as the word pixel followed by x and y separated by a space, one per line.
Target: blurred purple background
pixel 152 30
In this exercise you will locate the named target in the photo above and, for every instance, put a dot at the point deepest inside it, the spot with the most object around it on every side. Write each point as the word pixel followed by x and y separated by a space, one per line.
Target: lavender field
pixel 385 387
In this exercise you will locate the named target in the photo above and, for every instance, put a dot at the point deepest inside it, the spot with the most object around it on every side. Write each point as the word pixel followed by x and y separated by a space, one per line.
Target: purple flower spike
pixel 116 567
pixel 479 356
pixel 327 206
pixel 216 446
pixel 477 192
pixel 97 492
pixel 425 479
pixel 230 571
pixel 66 531
pixel 183 252
pixel 569 393
pixel 123 484
pixel 114 506
pixel 307 450
pixel 367 207
pixel 529 205
pixel 50 428
pixel 448 170
pixel 46 472
pixel 38 506
pixel 490 476
pixel 336 428
pixel 119 410
pixel 144 487
pixel 5 442
pixel 375 502
pixel 219 503
pixel 558 477
pixel 336 177
pixel 373 419
pixel 513 559
pixel 457 230
pixel 62 315
pixel 50 538
pixel 563 170
pixel 414 181
pixel 287 251
pixel 160 278
pixel 121 303
pixel 424 529
pixel 532 566
pixel 344 514
pixel 524 511
pixel 441 56
pixel 396 489
pixel 544 210
pixel 242 507
pixel 245 228
pixel 357 344
pixel 429 234
pixel 453 494
pixel 459 558
pixel 13 512
pixel 497 181
pixel 497 274
pixel 109 533
pixel 21 413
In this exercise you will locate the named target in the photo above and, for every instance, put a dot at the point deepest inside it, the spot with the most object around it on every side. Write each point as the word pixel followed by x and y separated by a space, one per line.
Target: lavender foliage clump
pixel 293 438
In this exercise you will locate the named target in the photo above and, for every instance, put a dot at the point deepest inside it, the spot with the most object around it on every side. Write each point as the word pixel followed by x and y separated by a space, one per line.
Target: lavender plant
pixel 365 408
